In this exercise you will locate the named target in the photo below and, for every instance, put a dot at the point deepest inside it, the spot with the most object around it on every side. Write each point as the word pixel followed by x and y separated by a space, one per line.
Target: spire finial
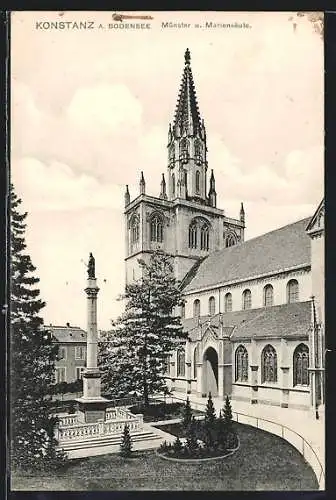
pixel 187 56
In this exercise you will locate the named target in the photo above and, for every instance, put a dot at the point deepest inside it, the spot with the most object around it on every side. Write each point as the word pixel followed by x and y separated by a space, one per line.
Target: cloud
pixel 56 187
pixel 104 107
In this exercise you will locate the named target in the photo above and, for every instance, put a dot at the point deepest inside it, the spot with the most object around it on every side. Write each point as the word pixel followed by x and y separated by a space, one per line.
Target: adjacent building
pixel 71 360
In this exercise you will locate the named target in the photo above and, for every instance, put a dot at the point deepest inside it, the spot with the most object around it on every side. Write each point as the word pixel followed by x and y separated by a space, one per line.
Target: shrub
pixel 126 443
pixel 192 442
pixel 187 416
pixel 177 447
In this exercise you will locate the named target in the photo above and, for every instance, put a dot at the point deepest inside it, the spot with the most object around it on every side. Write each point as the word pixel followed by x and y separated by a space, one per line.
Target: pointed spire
pixel 163 193
pixel 212 191
pixel 142 184
pixel 187 118
pixel 127 196
pixel 242 213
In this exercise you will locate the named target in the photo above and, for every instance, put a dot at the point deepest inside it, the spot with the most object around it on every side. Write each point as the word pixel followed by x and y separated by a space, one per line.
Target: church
pixel 254 310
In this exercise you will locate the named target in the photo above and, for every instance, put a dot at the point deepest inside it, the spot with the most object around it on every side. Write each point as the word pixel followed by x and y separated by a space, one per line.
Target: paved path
pixel 302 422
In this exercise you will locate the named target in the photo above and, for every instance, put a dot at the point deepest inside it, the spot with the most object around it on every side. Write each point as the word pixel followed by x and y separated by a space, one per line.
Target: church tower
pixel 183 220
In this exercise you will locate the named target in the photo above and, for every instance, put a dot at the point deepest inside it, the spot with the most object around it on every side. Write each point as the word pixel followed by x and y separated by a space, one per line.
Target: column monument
pixel 91 406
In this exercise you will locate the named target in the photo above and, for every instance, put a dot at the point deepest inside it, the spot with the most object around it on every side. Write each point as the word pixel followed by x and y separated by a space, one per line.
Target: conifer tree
pixel 192 443
pixel 187 415
pixel 149 330
pixel 177 446
pixel 209 424
pixel 32 358
pixel 126 443
pixel 228 421
pixel 221 431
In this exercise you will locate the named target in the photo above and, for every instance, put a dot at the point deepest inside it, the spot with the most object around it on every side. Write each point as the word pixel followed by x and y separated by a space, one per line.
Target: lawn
pixel 263 462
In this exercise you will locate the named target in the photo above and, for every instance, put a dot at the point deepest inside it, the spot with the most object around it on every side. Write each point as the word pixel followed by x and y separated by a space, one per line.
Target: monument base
pixel 92 410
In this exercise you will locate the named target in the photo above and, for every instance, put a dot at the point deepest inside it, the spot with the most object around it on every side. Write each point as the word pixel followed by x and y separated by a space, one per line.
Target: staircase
pixel 145 439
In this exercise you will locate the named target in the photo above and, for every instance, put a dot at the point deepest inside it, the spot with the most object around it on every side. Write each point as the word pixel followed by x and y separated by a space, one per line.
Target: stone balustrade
pixel 74 431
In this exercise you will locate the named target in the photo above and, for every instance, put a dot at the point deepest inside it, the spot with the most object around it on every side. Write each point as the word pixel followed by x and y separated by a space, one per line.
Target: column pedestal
pixel 91 406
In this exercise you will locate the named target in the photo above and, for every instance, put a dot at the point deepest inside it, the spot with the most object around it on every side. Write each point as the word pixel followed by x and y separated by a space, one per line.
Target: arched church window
pixel 186 179
pixel 198 181
pixel 230 240
pixel 300 365
pixel 134 229
pixel 292 291
pixel 268 296
pixel 173 184
pixel 195 360
pixel 269 368
pixel 241 364
pixel 205 237
pixel 183 311
pixel 156 229
pixel 193 236
pixel 180 363
pixel 247 299
pixel 212 306
pixel 197 308
pixel 228 302
pixel 184 150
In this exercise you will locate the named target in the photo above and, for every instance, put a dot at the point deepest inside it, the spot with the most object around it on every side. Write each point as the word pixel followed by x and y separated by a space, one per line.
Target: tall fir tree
pixel 149 331
pixel 126 443
pixel 192 442
pixel 209 424
pixel 187 415
pixel 231 436
pixel 32 358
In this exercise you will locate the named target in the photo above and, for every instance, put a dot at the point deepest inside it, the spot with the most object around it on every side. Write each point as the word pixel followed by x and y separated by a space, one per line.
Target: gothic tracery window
pixel 180 363
pixel 198 152
pixel 230 240
pixel 166 367
pixel 193 236
pixel 135 229
pixel 228 302
pixel 241 364
pixel 184 150
pixel 197 308
pixel 247 299
pixel 300 365
pixel 269 368
pixel 156 229
pixel 173 184
pixel 292 291
pixel 204 237
pixel 268 296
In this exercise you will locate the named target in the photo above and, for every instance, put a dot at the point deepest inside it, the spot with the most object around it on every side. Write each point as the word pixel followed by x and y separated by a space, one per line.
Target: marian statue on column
pixel 91 267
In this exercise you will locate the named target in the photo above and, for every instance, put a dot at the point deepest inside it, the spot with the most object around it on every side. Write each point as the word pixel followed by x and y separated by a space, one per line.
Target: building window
pixel 180 363
pixel 197 308
pixel 156 229
pixel 205 238
pixel 79 372
pixel 172 153
pixel 230 240
pixel 60 374
pixel 269 365
pixel 292 291
pixel 186 179
pixel 62 353
pixel 198 152
pixel 198 183
pixel 268 295
pixel 228 302
pixel 300 365
pixel 241 364
pixel 183 311
pixel 212 306
pixel 193 236
pixel 247 299
pixel 80 352
pixel 184 155
pixel 195 361
pixel 173 184
pixel 166 366
pixel 135 230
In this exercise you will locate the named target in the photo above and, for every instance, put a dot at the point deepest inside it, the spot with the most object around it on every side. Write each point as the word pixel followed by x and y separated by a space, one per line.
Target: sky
pixel 90 109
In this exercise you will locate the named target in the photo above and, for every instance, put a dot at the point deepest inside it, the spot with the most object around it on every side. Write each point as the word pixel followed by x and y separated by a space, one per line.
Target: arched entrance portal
pixel 210 372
